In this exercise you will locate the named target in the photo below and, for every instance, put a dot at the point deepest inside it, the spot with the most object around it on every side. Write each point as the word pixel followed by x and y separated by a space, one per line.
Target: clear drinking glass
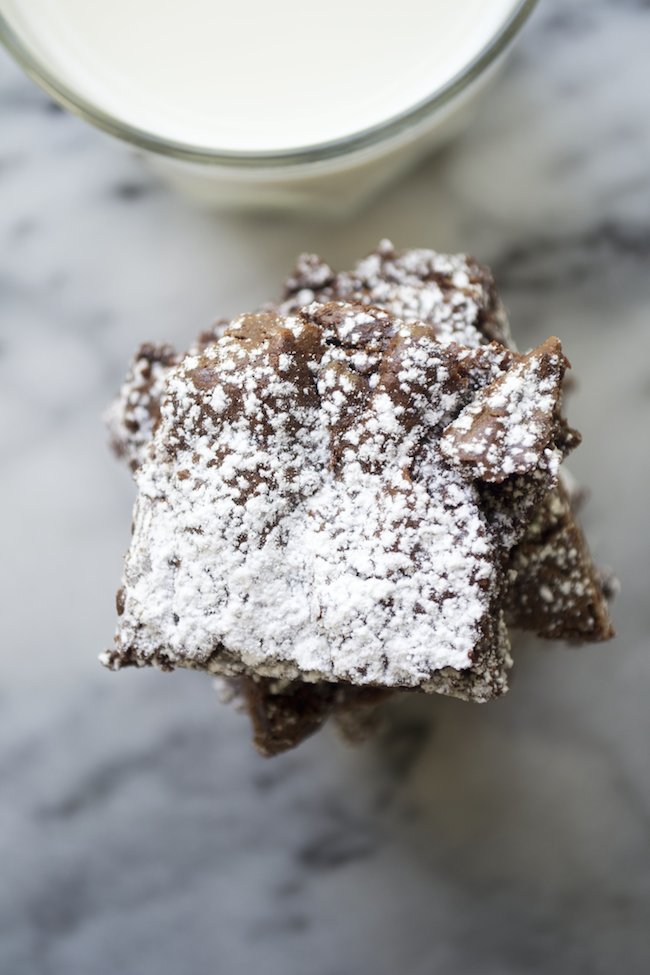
pixel 331 176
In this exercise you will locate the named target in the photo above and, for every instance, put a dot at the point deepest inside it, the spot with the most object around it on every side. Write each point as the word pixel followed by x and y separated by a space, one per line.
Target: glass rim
pixel 315 152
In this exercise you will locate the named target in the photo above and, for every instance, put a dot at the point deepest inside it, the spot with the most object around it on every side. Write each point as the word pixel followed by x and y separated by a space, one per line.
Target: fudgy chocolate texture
pixel 283 714
pixel 339 423
pixel 458 297
pixel 556 591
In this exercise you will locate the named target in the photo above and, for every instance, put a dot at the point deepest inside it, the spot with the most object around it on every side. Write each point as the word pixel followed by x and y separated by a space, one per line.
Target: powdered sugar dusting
pixel 132 417
pixel 297 516
pixel 459 298
pixel 451 292
pixel 556 591
pixel 505 429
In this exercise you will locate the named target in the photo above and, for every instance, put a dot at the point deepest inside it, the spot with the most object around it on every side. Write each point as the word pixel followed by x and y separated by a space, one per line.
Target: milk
pixel 256 76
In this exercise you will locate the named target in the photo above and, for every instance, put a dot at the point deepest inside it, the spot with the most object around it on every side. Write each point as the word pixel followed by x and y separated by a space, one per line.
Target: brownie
pixel 351 493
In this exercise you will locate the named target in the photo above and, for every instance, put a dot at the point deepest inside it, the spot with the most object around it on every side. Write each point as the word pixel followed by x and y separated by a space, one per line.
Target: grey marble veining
pixel 139 833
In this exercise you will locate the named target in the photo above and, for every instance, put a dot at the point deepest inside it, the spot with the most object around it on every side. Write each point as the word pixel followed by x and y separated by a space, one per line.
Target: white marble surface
pixel 139 833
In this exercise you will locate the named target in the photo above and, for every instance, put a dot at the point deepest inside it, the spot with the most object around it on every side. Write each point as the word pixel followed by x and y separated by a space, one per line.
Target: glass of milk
pixel 275 103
